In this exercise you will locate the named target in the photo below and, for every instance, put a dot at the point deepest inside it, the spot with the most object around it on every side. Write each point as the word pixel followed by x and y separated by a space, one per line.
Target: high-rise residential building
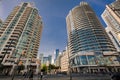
pixel 20 36
pixel 87 40
pixel 113 38
pixel 111 16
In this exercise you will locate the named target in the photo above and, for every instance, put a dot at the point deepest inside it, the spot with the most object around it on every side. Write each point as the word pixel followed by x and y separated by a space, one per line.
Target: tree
pixel 51 66
pixel 44 68
pixel 57 67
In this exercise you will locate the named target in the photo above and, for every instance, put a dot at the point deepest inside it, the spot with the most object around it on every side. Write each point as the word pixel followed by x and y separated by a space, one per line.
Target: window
pixel 83 60
pixel 91 60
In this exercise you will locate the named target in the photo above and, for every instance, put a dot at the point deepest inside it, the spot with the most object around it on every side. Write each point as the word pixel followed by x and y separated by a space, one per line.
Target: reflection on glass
pixel 83 60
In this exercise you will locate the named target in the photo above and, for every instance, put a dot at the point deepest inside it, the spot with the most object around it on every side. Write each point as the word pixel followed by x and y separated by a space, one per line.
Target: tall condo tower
pixel 111 16
pixel 20 35
pixel 86 38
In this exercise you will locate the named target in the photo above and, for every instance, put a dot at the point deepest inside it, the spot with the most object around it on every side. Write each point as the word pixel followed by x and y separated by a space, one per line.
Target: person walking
pixel 41 75
pixel 25 74
pixel 31 75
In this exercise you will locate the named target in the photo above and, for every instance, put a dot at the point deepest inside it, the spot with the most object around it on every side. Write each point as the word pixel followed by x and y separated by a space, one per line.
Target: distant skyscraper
pixel 86 38
pixel 50 58
pixel 56 53
pixel 41 57
pixel 111 16
pixel 58 60
pixel 20 33
pixel 47 60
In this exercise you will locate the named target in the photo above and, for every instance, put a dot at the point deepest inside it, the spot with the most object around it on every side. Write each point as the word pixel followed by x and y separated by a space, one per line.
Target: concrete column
pixel 12 69
pixel 78 69
pixel 98 69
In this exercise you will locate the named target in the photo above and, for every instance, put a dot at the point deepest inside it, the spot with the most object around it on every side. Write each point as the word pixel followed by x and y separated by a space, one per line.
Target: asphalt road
pixel 63 77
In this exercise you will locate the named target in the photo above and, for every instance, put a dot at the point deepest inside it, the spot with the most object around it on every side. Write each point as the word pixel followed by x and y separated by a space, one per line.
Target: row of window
pixel 83 60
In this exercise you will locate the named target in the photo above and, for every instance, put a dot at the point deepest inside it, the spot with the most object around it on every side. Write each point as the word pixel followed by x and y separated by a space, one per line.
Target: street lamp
pixel 39 64
pixel 69 67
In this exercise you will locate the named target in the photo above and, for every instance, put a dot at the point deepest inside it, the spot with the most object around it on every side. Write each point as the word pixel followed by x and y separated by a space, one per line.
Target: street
pixel 63 77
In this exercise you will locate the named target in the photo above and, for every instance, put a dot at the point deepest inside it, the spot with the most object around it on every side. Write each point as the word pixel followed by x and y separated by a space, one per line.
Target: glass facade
pixel 56 53
pixel 86 34
pixel 83 60
pixel 91 60
pixel 20 33
pixel 99 60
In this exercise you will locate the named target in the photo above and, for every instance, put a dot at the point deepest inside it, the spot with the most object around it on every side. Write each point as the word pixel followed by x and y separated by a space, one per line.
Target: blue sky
pixel 53 12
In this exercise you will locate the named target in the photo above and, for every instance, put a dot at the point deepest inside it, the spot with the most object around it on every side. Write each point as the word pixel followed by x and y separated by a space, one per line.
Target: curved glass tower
pixel 85 32
pixel 88 42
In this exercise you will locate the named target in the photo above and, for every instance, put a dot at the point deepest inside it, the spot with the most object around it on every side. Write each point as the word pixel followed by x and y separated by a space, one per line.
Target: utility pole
pixel 69 67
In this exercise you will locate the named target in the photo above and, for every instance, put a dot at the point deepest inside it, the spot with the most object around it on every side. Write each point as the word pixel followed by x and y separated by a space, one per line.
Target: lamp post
pixel 69 67
pixel 39 64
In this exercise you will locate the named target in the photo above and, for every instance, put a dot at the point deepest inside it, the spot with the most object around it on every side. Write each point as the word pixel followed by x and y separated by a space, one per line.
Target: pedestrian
pixel 25 74
pixel 31 75
pixel 41 75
